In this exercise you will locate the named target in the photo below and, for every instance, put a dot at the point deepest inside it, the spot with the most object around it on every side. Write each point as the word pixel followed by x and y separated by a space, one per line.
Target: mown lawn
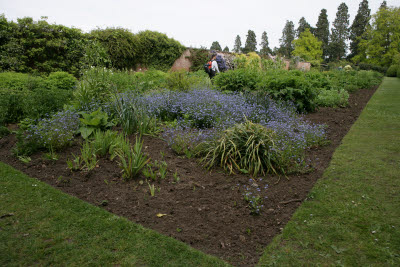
pixel 42 226
pixel 352 216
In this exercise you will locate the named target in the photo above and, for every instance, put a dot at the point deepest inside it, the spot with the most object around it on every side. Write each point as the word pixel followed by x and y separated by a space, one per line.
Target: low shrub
pixel 4 131
pixel 238 80
pixel 333 98
pixel 392 71
pixel 61 80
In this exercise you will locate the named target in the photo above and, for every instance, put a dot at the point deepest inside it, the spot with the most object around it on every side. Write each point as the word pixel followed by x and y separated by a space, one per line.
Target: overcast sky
pixel 193 23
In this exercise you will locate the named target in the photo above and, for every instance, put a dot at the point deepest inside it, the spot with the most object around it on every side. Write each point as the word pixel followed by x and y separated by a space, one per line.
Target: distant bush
pixel 237 80
pixel 398 73
pixel 61 80
pixel 365 66
pixel 392 71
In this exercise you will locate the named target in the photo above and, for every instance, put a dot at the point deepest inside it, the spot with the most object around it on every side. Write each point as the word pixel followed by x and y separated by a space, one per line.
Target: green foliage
pixel 95 55
pixel 132 162
pixel 303 26
pixel 216 46
pixel 37 46
pixel 157 51
pixel 308 47
pixel 96 120
pixel 226 49
pixel 121 46
pixel 398 72
pixel 198 57
pixel 105 142
pixel 4 131
pixel 340 33
pixel 333 98
pixel 23 95
pixel 237 48
pixel 392 71
pixel 61 80
pixel 381 42
pixel 288 33
pixel 322 32
pixel 237 80
pixel 246 146
pixel 88 157
pixel 265 50
pixel 251 42
pixel 359 27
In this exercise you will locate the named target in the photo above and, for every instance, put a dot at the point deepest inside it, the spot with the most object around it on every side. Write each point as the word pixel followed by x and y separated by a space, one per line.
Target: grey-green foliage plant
pixel 94 121
pixel 133 162
pixel 246 147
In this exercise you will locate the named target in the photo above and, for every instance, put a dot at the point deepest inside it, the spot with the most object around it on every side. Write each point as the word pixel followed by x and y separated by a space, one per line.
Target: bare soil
pixel 205 209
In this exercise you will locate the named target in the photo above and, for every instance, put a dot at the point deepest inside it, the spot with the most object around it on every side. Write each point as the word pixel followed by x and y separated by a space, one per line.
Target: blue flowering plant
pixel 53 133
pixel 253 195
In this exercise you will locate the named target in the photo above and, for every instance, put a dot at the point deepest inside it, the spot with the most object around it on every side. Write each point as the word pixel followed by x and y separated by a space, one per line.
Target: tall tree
pixel 237 48
pixel 303 25
pixel 216 46
pixel 381 42
pixel 251 42
pixel 359 26
pixel 322 32
pixel 288 33
pixel 265 50
pixel 308 47
pixel 383 5
pixel 226 49
pixel 340 33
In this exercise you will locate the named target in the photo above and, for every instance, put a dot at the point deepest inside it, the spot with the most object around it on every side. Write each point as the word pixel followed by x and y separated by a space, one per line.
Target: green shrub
pixel 392 71
pixel 246 147
pixel 20 81
pixel 238 80
pixel 4 131
pixel 61 80
pixel 333 98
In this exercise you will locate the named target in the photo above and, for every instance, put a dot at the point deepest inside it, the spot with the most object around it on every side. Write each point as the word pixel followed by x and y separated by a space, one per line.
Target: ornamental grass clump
pixel 247 147
pixel 133 161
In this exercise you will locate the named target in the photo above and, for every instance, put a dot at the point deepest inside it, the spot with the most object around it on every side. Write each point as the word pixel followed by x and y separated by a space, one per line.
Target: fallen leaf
pixel 159 215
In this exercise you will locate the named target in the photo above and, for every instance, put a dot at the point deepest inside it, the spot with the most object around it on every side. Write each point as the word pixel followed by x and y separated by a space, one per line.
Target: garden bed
pixel 204 208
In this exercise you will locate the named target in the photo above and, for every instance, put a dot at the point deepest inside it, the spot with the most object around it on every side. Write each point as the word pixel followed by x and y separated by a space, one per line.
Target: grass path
pixel 352 217
pixel 40 225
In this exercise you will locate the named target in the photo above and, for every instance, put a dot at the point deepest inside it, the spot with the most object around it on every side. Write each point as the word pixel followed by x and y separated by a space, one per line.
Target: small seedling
pixel 176 177
pixel 149 173
pixel 24 159
pixel 152 189
pixel 162 169
pixel 63 180
pixel 104 203
pixel 178 230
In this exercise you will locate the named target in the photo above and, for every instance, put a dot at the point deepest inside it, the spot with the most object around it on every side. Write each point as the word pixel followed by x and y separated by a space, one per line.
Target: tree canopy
pixel 216 46
pixel 359 26
pixel 238 45
pixel 322 32
pixel 308 47
pixel 286 42
pixel 303 25
pixel 265 50
pixel 340 33
pixel 251 42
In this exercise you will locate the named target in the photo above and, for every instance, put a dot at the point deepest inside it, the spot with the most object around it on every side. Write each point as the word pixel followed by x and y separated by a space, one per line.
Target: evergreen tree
pixel 237 48
pixel 216 46
pixel 383 5
pixel 303 25
pixel 288 33
pixel 322 32
pixel 226 49
pixel 340 33
pixel 359 26
pixel 265 50
pixel 251 42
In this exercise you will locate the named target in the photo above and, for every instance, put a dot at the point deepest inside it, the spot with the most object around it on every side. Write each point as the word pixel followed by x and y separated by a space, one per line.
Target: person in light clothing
pixel 214 66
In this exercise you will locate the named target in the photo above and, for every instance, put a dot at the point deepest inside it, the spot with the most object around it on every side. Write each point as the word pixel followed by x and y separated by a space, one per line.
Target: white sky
pixel 193 23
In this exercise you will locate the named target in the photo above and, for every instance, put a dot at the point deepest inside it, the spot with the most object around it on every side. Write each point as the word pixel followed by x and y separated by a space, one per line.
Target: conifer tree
pixel 237 48
pixel 265 50
pixel 340 33
pixel 322 32
pixel 288 33
pixel 216 46
pixel 359 26
pixel 303 25
pixel 226 49
pixel 383 5
pixel 251 42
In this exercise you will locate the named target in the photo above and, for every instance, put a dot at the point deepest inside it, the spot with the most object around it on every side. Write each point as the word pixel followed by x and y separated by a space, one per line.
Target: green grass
pixel 352 217
pixel 48 227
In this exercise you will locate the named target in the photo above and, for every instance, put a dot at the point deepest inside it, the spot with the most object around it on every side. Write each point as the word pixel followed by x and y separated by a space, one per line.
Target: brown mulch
pixel 204 209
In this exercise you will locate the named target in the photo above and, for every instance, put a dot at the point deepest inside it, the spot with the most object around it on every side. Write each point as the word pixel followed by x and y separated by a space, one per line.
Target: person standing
pixel 214 66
